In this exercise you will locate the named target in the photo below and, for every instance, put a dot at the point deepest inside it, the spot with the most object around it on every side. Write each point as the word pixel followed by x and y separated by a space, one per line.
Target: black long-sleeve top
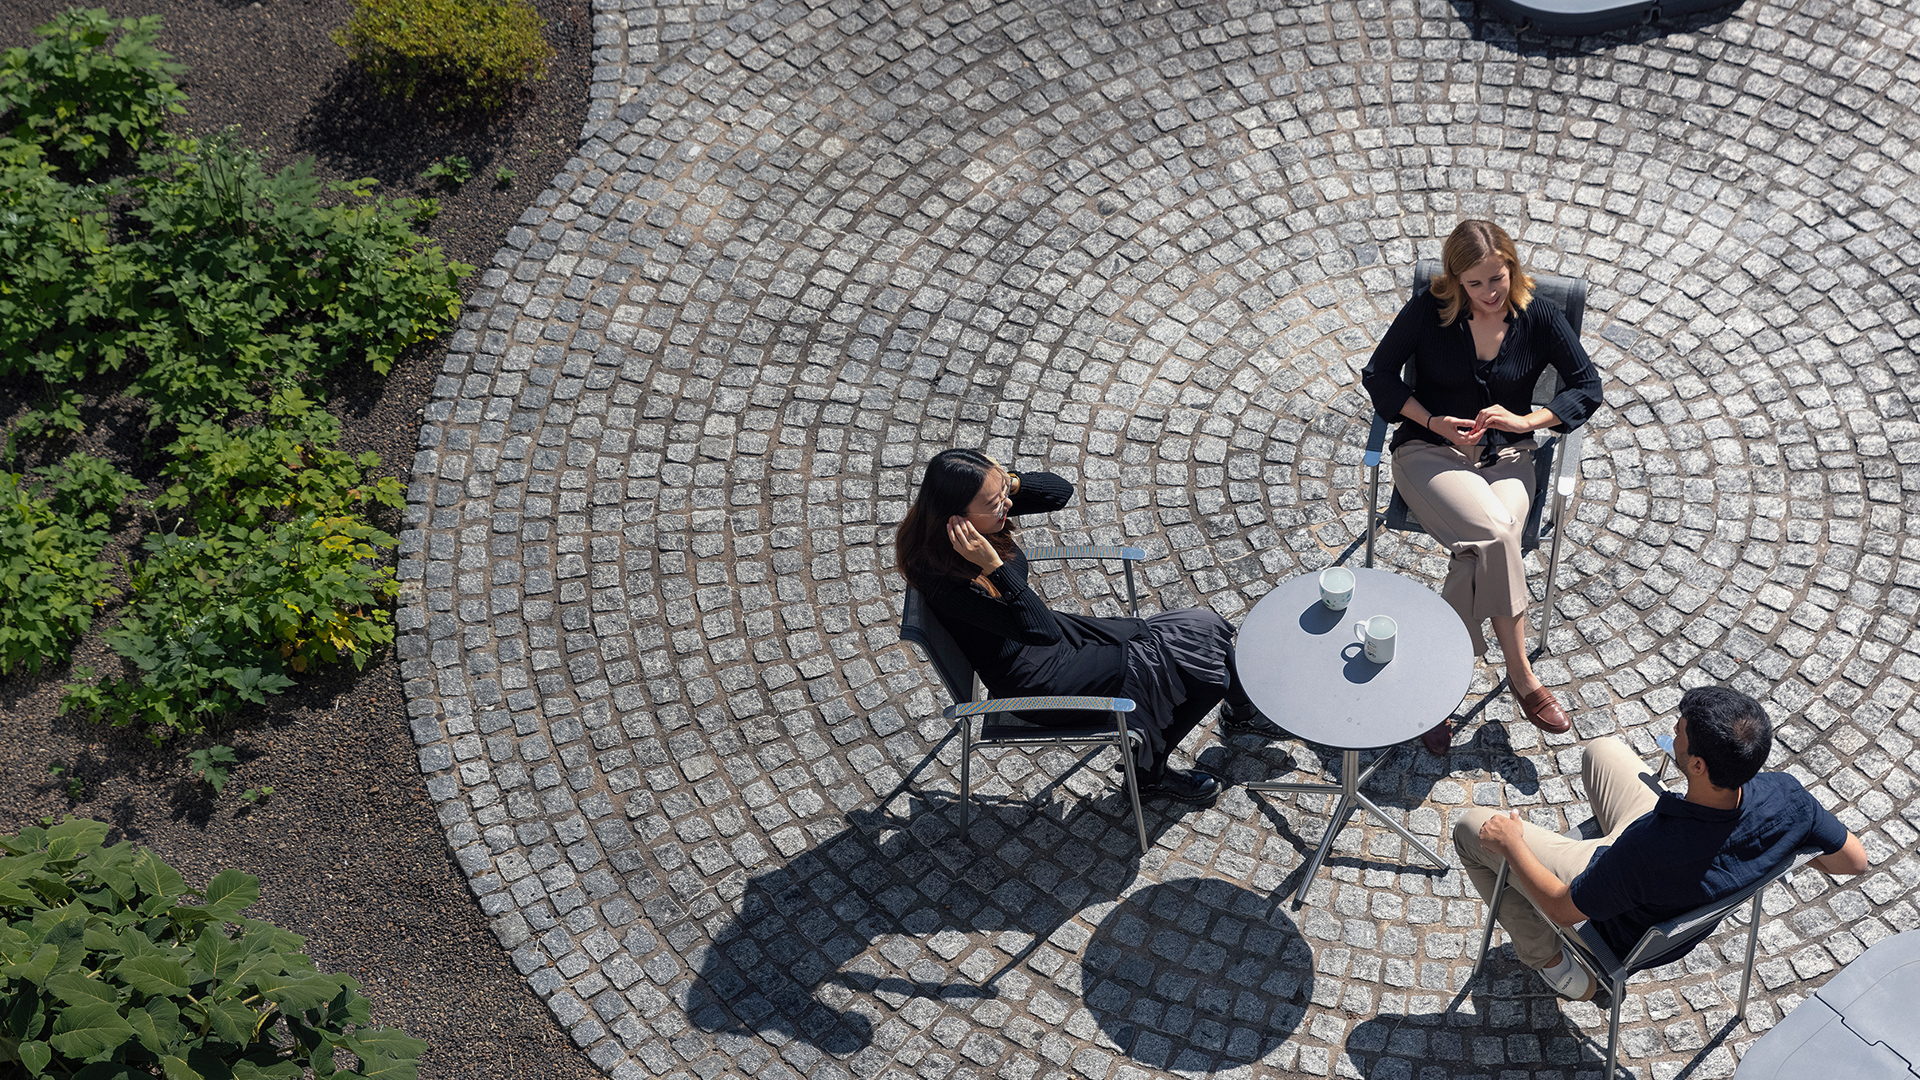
pixel 1015 642
pixel 1454 381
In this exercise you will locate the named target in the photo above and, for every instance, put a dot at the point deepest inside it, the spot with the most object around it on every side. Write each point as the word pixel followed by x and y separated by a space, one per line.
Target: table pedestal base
pixel 1349 790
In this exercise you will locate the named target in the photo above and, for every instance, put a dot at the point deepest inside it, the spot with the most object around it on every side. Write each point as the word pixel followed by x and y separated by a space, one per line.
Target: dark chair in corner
pixel 1556 458
pixel 1000 723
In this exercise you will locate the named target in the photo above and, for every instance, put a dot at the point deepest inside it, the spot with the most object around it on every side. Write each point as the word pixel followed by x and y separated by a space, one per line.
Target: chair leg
pixel 1618 991
pixel 1373 510
pixel 1133 597
pixel 1753 941
pixel 1133 780
pixel 966 775
pixel 1493 912
pixel 1553 567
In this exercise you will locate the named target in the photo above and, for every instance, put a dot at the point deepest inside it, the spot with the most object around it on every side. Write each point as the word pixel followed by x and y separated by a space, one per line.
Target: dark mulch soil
pixel 348 848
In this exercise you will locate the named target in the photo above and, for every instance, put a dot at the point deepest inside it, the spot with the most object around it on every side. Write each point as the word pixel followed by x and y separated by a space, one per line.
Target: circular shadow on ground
pixel 1197 975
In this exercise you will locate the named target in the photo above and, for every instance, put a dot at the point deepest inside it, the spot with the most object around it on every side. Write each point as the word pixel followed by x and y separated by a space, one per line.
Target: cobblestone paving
pixel 650 627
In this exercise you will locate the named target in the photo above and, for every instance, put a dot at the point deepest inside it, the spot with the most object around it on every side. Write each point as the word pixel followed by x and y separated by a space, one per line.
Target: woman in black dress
pixel 1462 456
pixel 957 547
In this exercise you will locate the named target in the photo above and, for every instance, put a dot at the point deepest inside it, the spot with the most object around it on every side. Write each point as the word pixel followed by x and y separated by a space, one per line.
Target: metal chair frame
pixel 919 625
pixel 1556 457
pixel 1663 943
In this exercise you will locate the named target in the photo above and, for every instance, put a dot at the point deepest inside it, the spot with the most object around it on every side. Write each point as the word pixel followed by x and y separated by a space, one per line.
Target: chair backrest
pixel 1569 294
pixel 919 625
pixel 1665 942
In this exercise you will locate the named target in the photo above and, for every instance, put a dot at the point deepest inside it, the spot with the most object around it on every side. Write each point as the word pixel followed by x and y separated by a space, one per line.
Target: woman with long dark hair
pixel 1462 456
pixel 957 547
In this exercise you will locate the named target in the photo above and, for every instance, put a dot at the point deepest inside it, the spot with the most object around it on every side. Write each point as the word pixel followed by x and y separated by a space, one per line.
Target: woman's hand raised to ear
pixel 972 547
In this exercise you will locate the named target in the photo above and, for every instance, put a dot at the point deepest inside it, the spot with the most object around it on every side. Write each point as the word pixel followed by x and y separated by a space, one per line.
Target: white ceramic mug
pixel 1377 634
pixel 1336 587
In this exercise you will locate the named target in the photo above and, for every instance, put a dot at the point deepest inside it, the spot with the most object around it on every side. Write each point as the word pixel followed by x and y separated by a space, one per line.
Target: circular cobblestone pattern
pixel 650 629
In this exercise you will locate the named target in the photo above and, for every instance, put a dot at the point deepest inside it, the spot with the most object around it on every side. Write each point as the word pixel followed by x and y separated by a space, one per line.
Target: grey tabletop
pixel 1301 664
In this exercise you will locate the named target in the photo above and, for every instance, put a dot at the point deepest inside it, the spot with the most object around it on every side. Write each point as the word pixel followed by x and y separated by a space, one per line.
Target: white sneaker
pixel 1575 984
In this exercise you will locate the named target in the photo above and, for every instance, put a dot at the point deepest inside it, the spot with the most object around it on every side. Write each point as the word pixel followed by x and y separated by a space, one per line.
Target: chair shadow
pixel 899 916
pixel 1487 26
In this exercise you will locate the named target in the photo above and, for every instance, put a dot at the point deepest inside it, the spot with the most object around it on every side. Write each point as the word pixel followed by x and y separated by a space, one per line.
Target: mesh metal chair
pixel 1556 457
pixel 1663 943
pixel 1001 723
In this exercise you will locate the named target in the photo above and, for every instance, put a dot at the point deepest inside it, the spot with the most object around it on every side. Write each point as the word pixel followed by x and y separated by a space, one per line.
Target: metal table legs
pixel 1349 789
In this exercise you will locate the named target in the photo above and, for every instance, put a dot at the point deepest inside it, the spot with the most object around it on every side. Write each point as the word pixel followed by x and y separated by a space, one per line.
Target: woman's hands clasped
pixel 971 546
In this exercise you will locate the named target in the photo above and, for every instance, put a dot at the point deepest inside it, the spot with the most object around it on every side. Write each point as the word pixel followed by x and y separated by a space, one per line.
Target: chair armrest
pixel 1092 551
pixel 992 706
pixel 1376 439
pixel 1567 468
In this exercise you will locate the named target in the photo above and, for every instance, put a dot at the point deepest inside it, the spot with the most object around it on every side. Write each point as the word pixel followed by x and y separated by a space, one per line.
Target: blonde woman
pixel 1462 455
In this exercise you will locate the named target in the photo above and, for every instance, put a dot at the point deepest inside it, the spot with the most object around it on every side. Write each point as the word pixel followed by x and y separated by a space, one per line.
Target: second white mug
pixel 1377 634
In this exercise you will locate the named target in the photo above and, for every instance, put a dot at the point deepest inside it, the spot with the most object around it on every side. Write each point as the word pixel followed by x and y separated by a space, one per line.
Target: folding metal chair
pixel 1001 723
pixel 1556 458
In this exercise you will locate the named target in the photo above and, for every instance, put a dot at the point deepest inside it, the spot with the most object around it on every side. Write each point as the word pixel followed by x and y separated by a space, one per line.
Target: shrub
pixel 460 54
pixel 51 531
pixel 275 574
pixel 111 970
pixel 73 93
pixel 250 282
pixel 58 276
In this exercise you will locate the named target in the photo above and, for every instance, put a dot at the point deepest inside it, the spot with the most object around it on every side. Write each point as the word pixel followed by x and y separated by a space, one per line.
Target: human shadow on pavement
pixel 857 945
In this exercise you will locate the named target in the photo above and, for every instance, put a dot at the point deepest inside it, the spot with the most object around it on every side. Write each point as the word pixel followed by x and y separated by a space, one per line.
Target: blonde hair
pixel 1471 243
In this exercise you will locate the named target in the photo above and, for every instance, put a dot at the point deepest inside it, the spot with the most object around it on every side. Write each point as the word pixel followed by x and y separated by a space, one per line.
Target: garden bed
pixel 347 847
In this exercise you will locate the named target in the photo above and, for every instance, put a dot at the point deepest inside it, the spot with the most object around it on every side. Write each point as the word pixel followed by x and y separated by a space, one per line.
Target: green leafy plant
pixel 503 178
pixel 64 285
pixel 76 785
pixel 459 54
pixel 91 85
pixel 257 794
pixel 113 969
pixel 52 528
pixel 277 571
pixel 55 419
pixel 450 171
pixel 212 765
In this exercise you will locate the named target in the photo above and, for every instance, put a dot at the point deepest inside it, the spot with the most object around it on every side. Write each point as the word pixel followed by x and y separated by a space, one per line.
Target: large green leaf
pixel 24 1016
pixel 35 969
pixel 230 893
pixel 75 835
pixel 232 1021
pixel 84 1031
pixel 385 1042
pixel 297 994
pixel 79 990
pixel 279 1070
pixel 219 955
pixel 157 1025
pixel 35 1055
pixel 156 878
pixel 386 1068
pixel 155 976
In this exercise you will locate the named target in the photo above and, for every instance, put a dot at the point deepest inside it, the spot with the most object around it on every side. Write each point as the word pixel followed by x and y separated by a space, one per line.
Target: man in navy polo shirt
pixel 1662 854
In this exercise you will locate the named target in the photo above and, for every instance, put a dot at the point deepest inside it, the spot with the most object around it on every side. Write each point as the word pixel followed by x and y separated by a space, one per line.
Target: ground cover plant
pixel 112 969
pixel 91 86
pixel 222 295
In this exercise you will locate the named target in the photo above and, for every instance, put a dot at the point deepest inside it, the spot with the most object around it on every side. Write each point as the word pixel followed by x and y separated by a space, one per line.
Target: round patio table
pixel 1301 664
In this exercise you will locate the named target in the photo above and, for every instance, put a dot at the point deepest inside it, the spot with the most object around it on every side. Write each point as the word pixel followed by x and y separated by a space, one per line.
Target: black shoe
pixel 1251 722
pixel 1182 785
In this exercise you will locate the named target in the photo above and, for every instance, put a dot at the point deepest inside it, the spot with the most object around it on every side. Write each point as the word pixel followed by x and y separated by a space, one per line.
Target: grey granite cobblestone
pixel 648 628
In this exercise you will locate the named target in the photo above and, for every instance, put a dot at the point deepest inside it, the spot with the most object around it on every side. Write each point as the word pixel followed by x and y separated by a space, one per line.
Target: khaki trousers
pixel 1620 789
pixel 1478 512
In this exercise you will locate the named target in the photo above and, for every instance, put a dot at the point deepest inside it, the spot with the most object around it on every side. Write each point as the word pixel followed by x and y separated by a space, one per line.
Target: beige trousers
pixel 1478 512
pixel 1620 789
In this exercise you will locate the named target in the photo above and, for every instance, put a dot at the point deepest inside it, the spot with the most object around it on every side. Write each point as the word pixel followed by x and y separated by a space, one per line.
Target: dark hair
pixel 921 545
pixel 1729 731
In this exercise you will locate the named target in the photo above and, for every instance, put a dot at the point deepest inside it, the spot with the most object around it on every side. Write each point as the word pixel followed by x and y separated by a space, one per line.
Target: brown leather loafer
pixel 1438 739
pixel 1543 711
